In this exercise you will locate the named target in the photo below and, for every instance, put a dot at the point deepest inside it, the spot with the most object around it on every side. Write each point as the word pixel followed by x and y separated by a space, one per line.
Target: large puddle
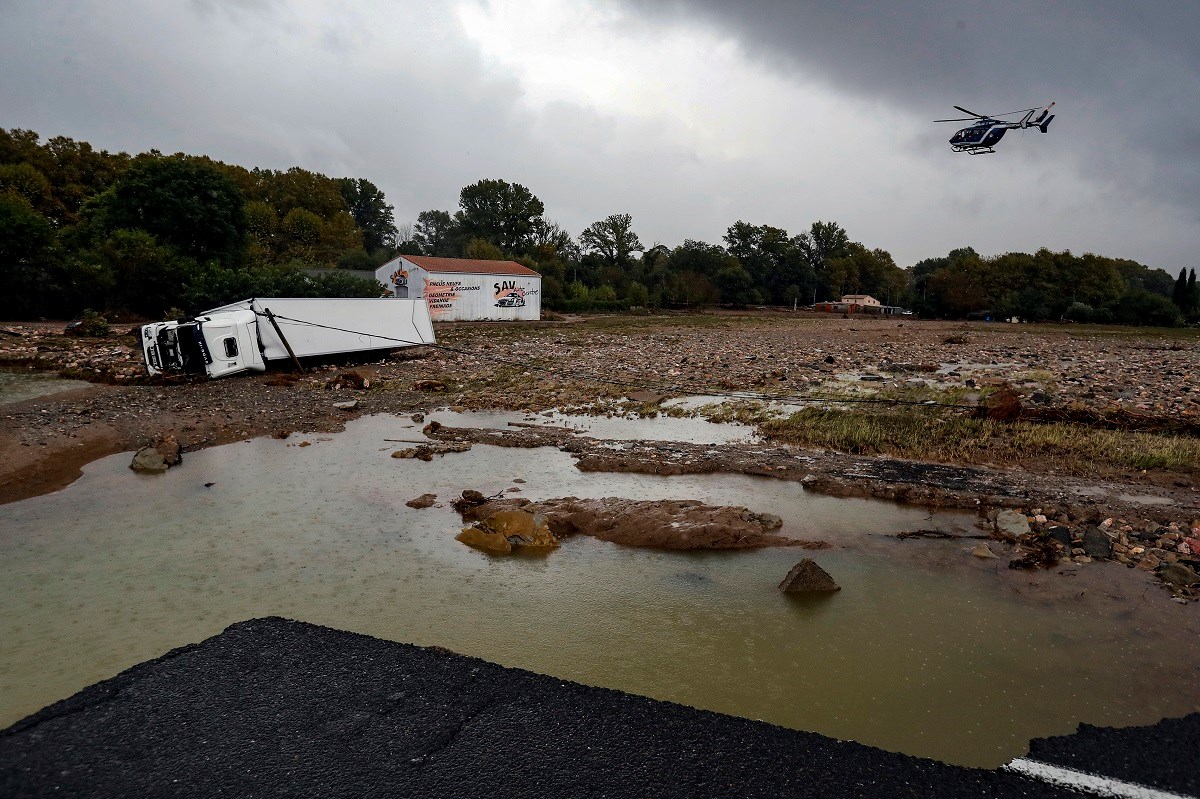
pixel 16 386
pixel 910 656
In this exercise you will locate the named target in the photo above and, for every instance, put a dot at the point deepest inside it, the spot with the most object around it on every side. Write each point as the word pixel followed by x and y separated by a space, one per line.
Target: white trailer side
pixel 329 326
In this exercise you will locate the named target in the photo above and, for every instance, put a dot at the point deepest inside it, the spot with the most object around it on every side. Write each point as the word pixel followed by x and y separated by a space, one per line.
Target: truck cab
pixel 215 344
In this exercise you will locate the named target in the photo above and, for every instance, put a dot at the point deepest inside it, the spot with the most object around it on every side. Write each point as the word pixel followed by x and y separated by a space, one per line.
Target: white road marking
pixel 1089 783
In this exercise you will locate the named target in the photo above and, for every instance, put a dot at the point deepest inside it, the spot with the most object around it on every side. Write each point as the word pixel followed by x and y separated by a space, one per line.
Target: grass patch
pixel 958 439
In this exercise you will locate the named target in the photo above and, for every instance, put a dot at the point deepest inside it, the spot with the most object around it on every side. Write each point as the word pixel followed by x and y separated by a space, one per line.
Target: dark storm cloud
pixel 1126 75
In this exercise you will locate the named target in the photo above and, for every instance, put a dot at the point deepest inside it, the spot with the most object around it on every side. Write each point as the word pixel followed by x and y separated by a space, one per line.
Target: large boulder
pixel 807 577
pixel 521 528
pixel 148 460
pixel 157 458
pixel 1011 525
pixel 504 530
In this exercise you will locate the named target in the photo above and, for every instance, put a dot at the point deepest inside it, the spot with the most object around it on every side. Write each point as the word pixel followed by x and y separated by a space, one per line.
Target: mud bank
pixel 275 707
pixel 909 482
pixel 659 524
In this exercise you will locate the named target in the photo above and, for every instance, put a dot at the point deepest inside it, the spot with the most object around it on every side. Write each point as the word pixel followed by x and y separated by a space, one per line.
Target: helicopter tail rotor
pixel 1043 122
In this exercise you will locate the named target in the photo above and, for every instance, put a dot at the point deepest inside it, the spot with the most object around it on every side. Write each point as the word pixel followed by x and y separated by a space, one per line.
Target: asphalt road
pixel 279 708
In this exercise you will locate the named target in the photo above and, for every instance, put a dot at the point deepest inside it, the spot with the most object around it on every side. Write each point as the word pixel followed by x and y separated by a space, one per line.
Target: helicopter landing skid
pixel 973 150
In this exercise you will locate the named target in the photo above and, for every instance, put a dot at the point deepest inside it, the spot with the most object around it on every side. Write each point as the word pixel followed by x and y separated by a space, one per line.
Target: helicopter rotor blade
pixel 1022 111
pixel 960 119
pixel 995 116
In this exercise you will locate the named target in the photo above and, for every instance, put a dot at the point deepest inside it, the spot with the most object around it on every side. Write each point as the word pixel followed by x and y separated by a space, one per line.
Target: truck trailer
pixel 247 336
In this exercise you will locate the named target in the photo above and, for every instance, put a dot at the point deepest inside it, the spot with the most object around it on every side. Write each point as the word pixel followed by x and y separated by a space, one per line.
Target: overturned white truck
pixel 246 336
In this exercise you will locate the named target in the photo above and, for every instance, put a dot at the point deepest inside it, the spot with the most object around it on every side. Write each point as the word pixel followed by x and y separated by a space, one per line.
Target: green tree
pixel 823 242
pixel 613 239
pixel 1143 307
pixel 148 277
pixel 863 271
pixel 775 261
pixel 735 284
pixel 483 250
pixel 693 267
pixel 339 235
pixel 1179 292
pixel 371 212
pixel 605 293
pixel 638 294
pixel 551 240
pixel 500 212
pixel 299 233
pixel 435 232
pixel 298 188
pixel 25 239
pixel 182 202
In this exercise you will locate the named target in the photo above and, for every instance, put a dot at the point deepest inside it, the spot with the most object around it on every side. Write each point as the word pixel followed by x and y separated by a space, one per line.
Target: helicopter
pixel 980 137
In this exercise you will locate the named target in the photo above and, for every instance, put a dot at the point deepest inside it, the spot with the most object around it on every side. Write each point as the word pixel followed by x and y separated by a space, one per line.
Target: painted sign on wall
pixel 442 294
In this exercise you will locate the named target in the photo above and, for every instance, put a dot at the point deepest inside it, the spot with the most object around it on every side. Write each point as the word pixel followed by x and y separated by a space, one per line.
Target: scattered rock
pixel 418 417
pixel 423 501
pixel 1096 544
pixel 1178 575
pixel 349 405
pixel 425 452
pixel 1060 534
pixel 807 577
pixel 982 550
pixel 1004 405
pixel 429 385
pixel 1011 524
pixel 521 528
pixel 470 498
pixel 346 380
pixel 487 540
pixel 431 428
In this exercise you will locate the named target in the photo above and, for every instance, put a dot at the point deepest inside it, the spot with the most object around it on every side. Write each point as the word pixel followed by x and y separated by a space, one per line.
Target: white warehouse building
pixel 465 289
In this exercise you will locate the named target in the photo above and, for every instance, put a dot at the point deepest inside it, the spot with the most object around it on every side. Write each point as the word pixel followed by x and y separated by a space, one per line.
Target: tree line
pixel 152 234
pixel 156 234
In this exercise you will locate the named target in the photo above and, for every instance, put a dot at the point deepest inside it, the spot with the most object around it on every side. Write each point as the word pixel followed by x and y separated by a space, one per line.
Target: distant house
pixel 858 303
pixel 462 289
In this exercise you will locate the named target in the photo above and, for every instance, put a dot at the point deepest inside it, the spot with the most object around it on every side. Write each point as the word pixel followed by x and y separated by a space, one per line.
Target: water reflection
pixel 119 568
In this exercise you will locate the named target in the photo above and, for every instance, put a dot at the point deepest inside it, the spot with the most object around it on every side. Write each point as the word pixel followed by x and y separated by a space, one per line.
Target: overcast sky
pixel 690 115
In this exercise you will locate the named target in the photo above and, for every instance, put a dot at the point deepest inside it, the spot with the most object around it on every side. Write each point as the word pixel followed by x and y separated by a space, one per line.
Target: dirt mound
pixel 662 524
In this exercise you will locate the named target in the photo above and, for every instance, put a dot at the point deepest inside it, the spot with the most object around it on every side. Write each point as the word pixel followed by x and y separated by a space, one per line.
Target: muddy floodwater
pixel 925 650
pixel 15 386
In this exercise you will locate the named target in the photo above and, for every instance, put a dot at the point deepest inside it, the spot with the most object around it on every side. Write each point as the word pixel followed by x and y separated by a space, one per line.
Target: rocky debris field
pixel 606 363
pixel 548 365
pixel 1170 552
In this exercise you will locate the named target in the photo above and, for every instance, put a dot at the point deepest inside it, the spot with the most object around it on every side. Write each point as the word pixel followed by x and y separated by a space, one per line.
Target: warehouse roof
pixel 473 266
